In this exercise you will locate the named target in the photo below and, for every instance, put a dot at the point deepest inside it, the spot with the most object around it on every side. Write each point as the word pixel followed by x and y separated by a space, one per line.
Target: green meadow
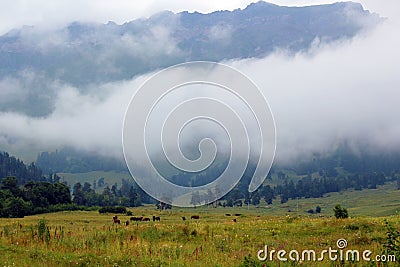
pixel 221 237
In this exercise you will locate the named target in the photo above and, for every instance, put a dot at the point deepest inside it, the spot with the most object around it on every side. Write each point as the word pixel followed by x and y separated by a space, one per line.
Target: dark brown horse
pixel 136 219
pixel 195 217
pixel 116 220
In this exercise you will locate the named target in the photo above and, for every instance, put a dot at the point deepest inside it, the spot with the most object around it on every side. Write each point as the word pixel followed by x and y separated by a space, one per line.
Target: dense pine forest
pixel 11 166
pixel 26 189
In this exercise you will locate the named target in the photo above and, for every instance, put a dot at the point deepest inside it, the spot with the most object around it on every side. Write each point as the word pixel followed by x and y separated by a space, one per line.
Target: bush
pixel 251 262
pixel 39 210
pixel 15 207
pixel 340 213
pixel 112 209
pixel 61 207
pixel 318 209
pixel 43 231
pixel 392 243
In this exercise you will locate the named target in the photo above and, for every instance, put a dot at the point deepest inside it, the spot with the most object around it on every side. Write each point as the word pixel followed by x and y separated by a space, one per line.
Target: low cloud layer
pixel 49 15
pixel 91 122
pixel 343 91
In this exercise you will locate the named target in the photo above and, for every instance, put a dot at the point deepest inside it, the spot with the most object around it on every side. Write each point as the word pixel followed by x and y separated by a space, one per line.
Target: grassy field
pixel 383 201
pixel 371 202
pixel 92 239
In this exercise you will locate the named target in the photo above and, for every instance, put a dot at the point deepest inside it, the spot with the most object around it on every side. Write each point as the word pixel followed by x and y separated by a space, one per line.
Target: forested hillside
pixel 307 177
pixel 24 190
pixel 74 161
pixel 11 166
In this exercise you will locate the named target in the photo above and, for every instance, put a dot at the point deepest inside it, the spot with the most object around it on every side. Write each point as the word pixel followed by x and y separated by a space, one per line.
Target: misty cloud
pixel 90 122
pixel 334 92
pixel 47 15
pixel 221 33
pixel 343 91
pixel 27 92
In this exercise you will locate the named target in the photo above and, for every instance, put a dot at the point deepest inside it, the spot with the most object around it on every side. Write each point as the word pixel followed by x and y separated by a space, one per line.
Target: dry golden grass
pixel 91 239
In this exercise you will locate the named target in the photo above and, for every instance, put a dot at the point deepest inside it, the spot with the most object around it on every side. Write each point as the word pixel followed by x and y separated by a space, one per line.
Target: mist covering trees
pixel 25 190
pixel 127 195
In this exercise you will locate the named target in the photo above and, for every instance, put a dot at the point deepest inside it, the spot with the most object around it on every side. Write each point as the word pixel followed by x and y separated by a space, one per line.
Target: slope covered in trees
pixel 24 190
pixel 32 198
pixel 73 161
pixel 311 177
pixel 127 195
pixel 11 166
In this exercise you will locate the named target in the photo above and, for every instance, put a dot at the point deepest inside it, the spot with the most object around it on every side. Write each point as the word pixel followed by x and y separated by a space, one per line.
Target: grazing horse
pixel 136 219
pixel 127 223
pixel 234 220
pixel 145 219
pixel 156 218
pixel 116 220
pixel 196 217
pixel 183 218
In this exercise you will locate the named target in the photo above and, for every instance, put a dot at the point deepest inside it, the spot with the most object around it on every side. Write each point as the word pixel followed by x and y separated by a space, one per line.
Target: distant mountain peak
pixel 260 4
pixel 84 53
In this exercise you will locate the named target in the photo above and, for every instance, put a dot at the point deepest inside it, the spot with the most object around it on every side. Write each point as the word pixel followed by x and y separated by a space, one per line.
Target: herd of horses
pixel 147 219
pixel 157 218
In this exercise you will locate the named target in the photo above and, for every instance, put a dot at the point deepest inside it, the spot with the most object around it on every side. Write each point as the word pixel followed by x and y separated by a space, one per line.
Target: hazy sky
pixel 347 90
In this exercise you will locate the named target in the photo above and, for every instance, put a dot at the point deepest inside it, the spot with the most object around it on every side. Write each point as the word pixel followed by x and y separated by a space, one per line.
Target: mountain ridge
pixel 84 54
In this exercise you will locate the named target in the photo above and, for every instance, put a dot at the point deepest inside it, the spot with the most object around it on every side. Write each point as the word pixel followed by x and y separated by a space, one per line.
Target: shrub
pixel 43 231
pixel 340 213
pixel 318 209
pixel 251 262
pixel 392 242
pixel 112 209
pixel 352 227
pixel 15 207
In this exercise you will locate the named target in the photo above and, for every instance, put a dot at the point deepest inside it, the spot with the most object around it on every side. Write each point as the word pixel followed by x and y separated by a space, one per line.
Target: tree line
pixel 316 187
pixel 32 198
pixel 69 160
pixel 306 187
pixel 32 192
pixel 41 197
pixel 127 195
pixel 11 166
